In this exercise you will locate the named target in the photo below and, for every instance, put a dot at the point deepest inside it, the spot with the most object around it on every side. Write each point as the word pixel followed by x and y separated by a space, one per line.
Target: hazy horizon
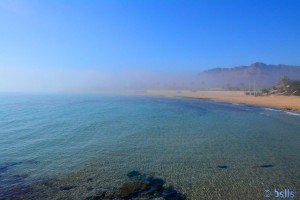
pixel 54 46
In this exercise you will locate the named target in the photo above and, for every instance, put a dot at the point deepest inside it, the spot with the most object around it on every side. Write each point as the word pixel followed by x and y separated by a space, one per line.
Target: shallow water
pixel 72 146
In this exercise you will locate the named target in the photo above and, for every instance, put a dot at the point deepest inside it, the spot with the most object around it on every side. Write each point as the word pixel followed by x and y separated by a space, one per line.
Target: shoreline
pixel 288 103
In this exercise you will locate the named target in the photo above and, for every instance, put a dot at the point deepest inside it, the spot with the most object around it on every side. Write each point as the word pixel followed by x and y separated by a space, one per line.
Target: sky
pixel 54 37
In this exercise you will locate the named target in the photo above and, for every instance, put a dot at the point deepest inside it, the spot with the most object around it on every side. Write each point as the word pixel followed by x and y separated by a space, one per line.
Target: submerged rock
pixel 138 187
pixel 266 166
pixel 171 194
pixel 89 188
pixel 89 180
pixel 223 166
pixel 131 188
pixel 94 198
pixel 69 187
pixel 156 183
pixel 134 174
pixel 144 187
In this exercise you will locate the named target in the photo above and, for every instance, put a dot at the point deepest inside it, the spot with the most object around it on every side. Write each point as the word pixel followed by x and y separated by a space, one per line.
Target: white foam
pixel 292 113
pixel 272 109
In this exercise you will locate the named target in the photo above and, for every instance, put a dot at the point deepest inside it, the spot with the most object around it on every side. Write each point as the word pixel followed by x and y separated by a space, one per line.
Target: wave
pixel 272 109
pixel 292 113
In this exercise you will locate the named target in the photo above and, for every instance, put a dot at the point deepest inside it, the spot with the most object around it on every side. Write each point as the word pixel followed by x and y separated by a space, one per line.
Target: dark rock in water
pixel 99 196
pixel 171 194
pixel 222 166
pixel 94 198
pixel 168 192
pixel 156 183
pixel 142 186
pixel 102 194
pixel 130 188
pixel 67 187
pixel 134 174
pixel 89 179
pixel 266 166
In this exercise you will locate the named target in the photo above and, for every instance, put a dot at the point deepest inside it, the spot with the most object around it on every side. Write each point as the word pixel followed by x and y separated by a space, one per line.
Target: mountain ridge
pixel 253 66
pixel 265 75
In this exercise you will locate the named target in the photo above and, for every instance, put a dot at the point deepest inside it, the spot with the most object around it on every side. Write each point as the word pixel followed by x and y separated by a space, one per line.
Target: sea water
pixel 73 146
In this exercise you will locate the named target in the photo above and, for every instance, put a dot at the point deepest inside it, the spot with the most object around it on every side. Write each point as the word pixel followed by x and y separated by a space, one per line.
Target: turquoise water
pixel 204 149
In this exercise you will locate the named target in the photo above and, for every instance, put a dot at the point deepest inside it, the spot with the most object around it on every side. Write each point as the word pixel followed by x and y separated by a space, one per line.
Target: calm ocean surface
pixel 73 146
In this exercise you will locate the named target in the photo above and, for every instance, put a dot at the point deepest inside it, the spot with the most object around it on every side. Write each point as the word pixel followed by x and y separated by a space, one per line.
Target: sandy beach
pixel 283 102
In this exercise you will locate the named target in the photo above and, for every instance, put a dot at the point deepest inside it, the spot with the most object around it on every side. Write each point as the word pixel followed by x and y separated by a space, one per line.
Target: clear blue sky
pixel 151 35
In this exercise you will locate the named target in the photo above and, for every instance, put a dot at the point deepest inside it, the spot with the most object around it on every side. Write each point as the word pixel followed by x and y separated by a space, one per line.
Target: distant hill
pixel 239 77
